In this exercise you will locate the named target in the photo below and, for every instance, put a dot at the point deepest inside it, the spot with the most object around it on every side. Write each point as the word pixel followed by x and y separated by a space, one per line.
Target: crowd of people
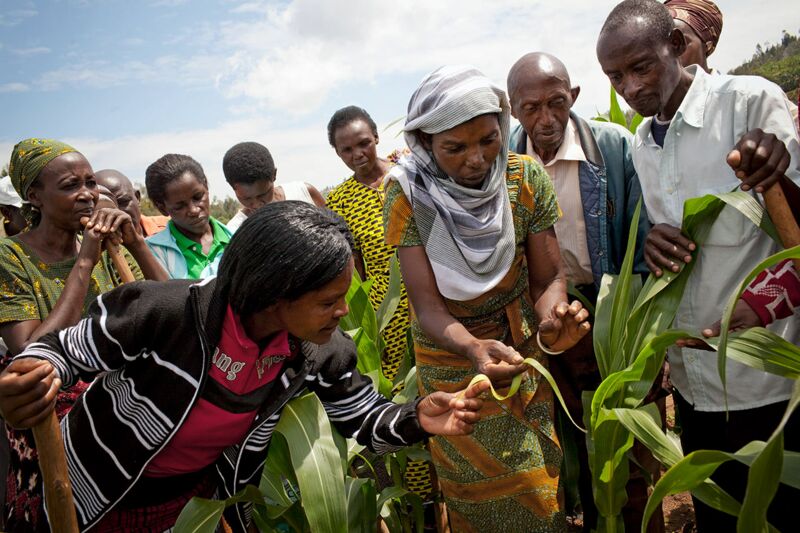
pixel 170 387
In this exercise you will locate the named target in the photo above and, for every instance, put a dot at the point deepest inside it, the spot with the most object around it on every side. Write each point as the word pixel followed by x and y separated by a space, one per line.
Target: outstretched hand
pixel 566 325
pixel 28 390
pixel 444 413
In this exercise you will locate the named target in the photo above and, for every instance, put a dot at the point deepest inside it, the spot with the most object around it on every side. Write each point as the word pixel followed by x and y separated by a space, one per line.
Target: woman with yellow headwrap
pixel 48 277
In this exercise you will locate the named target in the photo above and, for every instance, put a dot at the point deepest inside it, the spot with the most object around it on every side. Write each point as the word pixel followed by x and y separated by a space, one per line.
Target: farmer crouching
pixel 195 375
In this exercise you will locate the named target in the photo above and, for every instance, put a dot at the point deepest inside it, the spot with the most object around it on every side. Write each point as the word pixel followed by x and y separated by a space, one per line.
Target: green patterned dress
pixel 503 477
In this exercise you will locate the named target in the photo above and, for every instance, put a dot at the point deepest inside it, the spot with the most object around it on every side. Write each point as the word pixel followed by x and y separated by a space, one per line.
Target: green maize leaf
pixel 608 447
pixel 644 427
pixel 410 387
pixel 387 495
pixel 615 113
pixel 764 475
pixel 630 386
pixel 369 357
pixel 200 516
pixel 362 511
pixel 624 297
pixel 276 469
pixel 762 484
pixel 316 462
pixel 635 121
pixel 762 349
pixel 687 474
pixel 748 206
pixel 407 363
pixel 570 466
pixel 361 312
pixel 601 339
pixel 390 302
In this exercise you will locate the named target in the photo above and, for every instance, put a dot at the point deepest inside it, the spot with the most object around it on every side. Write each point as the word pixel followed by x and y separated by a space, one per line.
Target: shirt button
pixel 669 190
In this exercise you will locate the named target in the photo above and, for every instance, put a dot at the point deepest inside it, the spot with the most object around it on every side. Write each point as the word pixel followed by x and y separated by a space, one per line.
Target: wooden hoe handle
pixel 783 218
pixel 50 446
pixel 55 478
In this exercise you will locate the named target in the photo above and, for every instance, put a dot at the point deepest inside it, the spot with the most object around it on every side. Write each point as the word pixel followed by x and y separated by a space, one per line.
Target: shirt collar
pixel 692 109
pixel 693 106
pixel 278 344
pixel 185 243
pixel 570 149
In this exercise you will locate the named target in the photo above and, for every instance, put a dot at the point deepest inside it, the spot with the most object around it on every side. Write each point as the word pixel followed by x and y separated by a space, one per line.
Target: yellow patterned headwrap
pixel 29 158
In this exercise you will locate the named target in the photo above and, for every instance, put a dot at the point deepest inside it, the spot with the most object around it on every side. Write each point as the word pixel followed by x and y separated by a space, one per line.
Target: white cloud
pixel 16 16
pixel 300 153
pixel 27 52
pixel 13 88
pixel 100 74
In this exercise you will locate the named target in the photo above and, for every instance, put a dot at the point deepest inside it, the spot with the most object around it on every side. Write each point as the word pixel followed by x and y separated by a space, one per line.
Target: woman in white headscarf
pixel 479 256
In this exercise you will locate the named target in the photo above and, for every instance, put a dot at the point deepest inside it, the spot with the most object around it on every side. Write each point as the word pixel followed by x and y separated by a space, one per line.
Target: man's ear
pixel 677 42
pixel 574 92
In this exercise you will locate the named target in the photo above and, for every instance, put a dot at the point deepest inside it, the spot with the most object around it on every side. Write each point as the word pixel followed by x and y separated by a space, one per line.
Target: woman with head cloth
pixel 48 277
pixel 478 252
pixel 700 21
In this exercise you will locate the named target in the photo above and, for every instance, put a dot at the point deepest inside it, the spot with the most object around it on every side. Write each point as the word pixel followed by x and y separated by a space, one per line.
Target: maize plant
pixel 631 336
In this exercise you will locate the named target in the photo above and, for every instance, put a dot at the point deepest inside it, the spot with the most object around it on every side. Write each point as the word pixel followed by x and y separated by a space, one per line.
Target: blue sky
pixel 126 82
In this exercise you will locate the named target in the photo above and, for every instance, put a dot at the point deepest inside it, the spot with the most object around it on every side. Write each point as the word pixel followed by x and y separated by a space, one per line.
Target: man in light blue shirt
pixel 680 153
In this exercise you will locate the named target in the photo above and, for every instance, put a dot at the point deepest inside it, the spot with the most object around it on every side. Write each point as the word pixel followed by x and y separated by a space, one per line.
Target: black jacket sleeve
pixel 355 407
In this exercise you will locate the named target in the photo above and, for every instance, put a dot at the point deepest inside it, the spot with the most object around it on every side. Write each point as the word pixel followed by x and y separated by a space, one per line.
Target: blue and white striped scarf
pixel 468 233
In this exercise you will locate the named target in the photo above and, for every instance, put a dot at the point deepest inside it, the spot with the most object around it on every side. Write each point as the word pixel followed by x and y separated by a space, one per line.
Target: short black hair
pixel 345 116
pixel 168 168
pixel 281 252
pixel 248 162
pixel 657 18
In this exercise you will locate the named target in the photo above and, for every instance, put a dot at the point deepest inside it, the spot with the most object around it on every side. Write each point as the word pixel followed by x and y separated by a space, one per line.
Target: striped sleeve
pixel 103 341
pixel 354 406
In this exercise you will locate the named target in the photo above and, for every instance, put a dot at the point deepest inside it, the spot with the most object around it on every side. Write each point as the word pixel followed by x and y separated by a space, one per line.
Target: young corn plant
pixel 310 481
pixel 631 336
pixel 617 115
pixel 769 463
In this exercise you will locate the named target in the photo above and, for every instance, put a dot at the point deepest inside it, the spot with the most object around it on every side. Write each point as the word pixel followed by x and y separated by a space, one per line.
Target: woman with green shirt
pixel 191 246
pixel 48 277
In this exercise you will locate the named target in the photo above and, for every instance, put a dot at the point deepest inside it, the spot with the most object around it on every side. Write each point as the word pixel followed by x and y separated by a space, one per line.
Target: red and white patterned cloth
pixel 775 292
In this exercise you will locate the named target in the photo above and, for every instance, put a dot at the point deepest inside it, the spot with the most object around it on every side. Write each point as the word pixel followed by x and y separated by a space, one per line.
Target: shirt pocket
pixel 731 228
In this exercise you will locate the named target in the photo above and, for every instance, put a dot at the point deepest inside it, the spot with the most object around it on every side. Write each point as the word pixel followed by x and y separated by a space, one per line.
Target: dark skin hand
pixel 666 247
pixel 743 318
pixel 443 413
pixel 28 390
pixel 760 160
pixel 561 324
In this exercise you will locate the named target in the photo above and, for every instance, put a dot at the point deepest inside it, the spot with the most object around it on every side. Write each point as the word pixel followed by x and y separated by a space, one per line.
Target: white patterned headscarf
pixel 468 233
